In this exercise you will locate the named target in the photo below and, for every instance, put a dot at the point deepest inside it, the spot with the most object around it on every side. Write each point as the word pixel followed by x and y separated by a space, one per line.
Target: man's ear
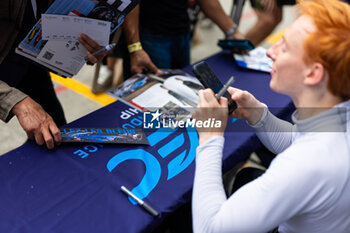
pixel 314 74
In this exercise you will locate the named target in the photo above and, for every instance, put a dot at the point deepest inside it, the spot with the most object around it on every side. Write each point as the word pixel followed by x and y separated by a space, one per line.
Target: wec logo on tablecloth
pixel 184 145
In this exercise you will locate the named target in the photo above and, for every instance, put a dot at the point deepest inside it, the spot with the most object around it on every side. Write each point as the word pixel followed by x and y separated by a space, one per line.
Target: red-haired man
pixel 307 186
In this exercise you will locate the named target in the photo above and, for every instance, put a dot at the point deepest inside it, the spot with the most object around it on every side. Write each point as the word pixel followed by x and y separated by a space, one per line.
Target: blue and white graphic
pixel 152 162
pixel 256 60
pixel 151 120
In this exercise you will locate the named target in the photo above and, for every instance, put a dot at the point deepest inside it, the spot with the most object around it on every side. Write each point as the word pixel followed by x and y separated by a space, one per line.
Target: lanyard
pixel 34 7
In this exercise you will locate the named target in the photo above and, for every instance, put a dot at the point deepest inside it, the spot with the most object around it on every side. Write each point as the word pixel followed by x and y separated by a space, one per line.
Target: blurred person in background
pixel 269 14
pixel 158 33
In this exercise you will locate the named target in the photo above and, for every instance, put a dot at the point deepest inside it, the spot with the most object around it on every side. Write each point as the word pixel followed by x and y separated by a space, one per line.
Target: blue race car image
pixel 97 137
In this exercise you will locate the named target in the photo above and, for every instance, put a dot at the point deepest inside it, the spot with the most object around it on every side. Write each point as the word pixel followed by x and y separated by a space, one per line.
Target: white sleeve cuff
pixel 215 141
pixel 262 120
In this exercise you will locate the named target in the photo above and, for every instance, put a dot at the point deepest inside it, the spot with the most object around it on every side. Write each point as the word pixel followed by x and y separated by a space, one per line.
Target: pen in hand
pixel 104 49
pixel 224 88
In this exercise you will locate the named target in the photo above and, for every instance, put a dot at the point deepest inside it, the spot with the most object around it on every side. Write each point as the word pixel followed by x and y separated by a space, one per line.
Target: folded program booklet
pixel 104 135
pixel 66 58
pixel 174 93
pixel 148 92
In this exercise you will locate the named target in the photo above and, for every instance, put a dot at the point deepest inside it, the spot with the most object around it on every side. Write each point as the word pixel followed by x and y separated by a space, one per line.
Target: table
pixel 76 187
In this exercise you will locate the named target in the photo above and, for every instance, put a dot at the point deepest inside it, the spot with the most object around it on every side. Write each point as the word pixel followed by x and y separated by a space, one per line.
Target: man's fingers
pixel 153 68
pixel 237 94
pixel 30 134
pixel 88 43
pixel 39 138
pixel 201 98
pixel 91 57
pixel 204 95
pixel 55 133
pixel 223 101
pixel 232 90
pixel 48 138
pixel 159 72
pixel 209 96
pixel 91 47
pixel 88 47
pixel 101 55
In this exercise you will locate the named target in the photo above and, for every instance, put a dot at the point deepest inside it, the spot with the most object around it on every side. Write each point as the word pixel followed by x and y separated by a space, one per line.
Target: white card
pixel 68 28
pixel 67 56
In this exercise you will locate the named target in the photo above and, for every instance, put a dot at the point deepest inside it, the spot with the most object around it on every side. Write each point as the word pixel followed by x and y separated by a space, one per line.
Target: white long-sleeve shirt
pixel 305 189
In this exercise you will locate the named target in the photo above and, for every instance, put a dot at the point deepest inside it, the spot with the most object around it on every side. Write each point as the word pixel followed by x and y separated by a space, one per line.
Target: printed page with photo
pixel 174 94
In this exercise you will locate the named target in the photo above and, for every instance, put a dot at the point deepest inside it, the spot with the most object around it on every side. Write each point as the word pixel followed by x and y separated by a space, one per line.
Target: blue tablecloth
pixel 76 187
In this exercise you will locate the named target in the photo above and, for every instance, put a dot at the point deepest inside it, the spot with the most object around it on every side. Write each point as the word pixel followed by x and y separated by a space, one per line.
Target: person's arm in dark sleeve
pixel 38 125
pixel 9 97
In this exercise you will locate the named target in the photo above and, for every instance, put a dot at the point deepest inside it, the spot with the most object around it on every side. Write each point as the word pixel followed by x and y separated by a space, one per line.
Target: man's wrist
pixel 258 115
pixel 135 47
pixel 205 136
pixel 19 106
pixel 231 31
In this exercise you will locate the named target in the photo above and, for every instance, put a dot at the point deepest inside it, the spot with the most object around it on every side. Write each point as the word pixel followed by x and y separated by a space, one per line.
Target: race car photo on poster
pixel 104 135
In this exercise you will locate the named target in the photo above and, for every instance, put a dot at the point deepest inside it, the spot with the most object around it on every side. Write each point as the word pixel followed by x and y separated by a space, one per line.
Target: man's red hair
pixel 330 43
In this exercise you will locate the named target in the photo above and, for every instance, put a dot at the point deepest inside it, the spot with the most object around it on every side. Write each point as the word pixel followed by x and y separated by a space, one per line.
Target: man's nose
pixel 271 52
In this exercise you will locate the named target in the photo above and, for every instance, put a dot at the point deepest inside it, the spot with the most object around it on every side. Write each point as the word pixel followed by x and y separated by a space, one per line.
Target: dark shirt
pixel 12 57
pixel 29 18
pixel 165 16
pixel 27 23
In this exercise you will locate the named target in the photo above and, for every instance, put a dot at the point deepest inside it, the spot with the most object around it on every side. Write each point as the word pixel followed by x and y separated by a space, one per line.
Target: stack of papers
pixel 69 27
pixel 52 42
pixel 62 49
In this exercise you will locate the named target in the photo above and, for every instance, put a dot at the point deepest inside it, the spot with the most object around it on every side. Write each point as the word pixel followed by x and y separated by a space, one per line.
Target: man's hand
pixel 209 107
pixel 248 107
pixel 237 35
pixel 91 47
pixel 140 62
pixel 37 123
